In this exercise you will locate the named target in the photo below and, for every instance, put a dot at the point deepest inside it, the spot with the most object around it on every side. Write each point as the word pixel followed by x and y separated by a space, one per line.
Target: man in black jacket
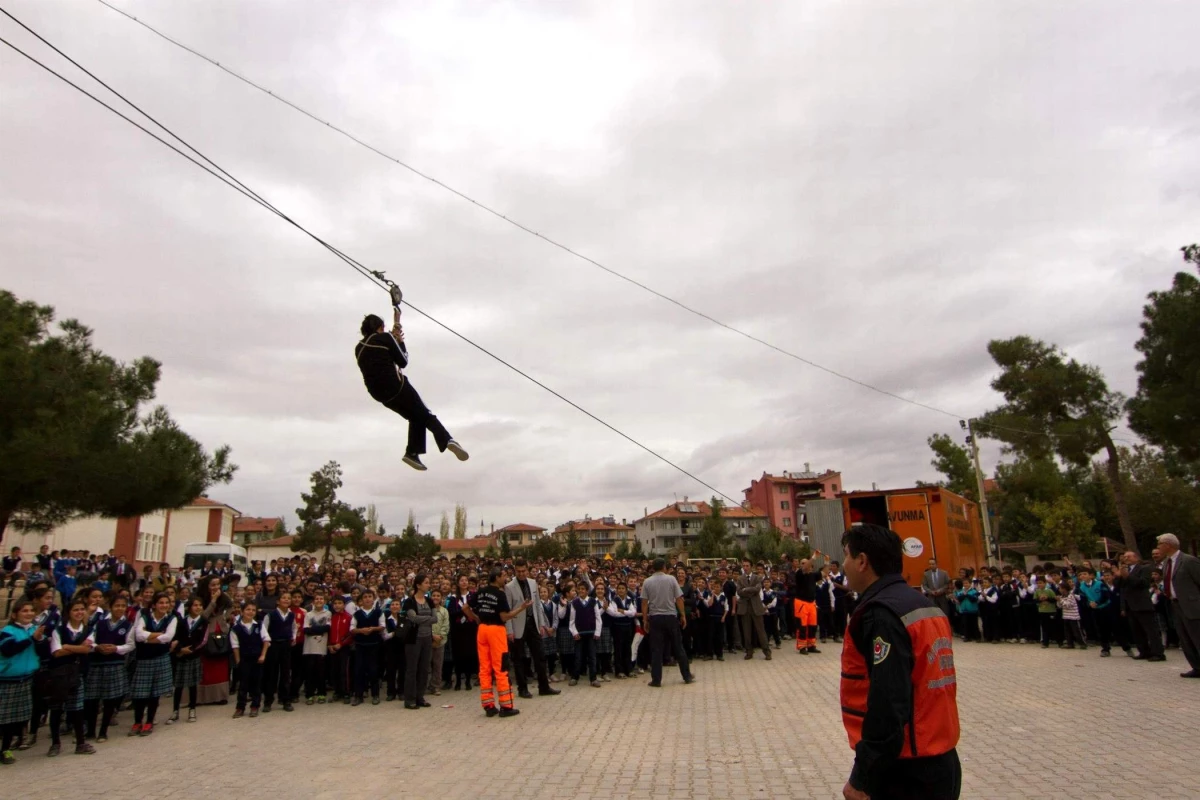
pixel 1138 609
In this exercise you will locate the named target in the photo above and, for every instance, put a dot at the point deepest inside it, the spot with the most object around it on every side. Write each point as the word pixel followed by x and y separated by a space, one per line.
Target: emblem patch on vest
pixel 882 649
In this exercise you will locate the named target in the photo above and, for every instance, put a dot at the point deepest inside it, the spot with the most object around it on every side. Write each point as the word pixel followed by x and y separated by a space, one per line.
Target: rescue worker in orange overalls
pixel 898 688
pixel 490 605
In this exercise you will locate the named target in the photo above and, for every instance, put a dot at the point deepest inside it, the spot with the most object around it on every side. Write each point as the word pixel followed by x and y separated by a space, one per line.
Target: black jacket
pixel 1135 590
pixel 380 358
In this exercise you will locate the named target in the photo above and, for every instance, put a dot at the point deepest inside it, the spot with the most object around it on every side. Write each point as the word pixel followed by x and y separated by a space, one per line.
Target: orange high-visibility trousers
pixel 806 623
pixel 492 641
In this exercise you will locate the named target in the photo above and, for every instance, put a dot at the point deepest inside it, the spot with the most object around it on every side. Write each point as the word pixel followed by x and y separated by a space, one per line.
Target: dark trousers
pixel 395 667
pixel 991 624
pixel 1146 633
pixel 277 673
pixel 366 670
pixel 1051 628
pixel 297 683
pixel 733 637
pixel 824 623
pixel 665 636
pixel 1189 635
pixel 585 653
pixel 417 657
pixel 771 623
pixel 932 778
pixel 622 648
pixel 753 632
pixel 716 632
pixel 532 639
pixel 314 674
pixel 970 625
pixel 250 674
pixel 409 405
pixel 701 639
pixel 339 671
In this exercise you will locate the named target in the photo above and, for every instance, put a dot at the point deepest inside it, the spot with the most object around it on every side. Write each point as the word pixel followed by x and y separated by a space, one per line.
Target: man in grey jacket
pixel 750 609
pixel 1181 587
pixel 527 628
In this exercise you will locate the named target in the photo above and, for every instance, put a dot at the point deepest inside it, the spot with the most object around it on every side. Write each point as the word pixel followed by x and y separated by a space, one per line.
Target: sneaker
pixel 135 730
pixel 322 699
pixel 171 720
pixel 290 707
pixel 690 679
pixel 147 729
pixel 573 682
pixel 491 711
pixel 101 739
pixel 1105 654
pixel 28 742
pixel 606 679
pixel 509 711
pixel 84 749
pixel 597 684
pixel 191 715
pixel 254 712
pixel 239 713
pixel 54 750
pixel 310 701
pixel 390 697
pixel 654 685
pixel 549 692
pixel 7 758
pixel 457 449
pixel 414 461
pixel 374 702
pixel 266 709
pixel 346 701
pixel 355 702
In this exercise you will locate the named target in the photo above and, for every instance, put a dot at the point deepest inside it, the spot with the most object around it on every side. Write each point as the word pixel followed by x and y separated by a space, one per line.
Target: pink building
pixel 783 496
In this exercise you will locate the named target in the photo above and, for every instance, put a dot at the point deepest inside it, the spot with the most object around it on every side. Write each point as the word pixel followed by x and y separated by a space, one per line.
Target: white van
pixel 197 553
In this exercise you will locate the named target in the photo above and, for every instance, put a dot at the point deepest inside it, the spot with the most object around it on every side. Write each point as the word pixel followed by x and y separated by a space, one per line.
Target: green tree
pixel 411 545
pixel 765 545
pixel 444 527
pixel 954 462
pixel 73 438
pixel 1023 482
pixel 1055 406
pixel 1160 501
pixel 636 553
pixel 460 521
pixel 714 540
pixel 545 548
pixel 572 547
pixel 1066 527
pixel 372 519
pixel 1166 408
pixel 621 551
pixel 325 517
pixel 490 552
pixel 505 547
pixel 280 529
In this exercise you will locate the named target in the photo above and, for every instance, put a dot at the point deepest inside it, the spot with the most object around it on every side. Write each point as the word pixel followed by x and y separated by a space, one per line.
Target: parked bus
pixel 197 553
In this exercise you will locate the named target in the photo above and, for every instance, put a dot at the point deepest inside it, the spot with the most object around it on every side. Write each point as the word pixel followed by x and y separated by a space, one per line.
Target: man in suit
pixel 750 609
pixel 936 586
pixel 1138 608
pixel 527 627
pixel 1181 587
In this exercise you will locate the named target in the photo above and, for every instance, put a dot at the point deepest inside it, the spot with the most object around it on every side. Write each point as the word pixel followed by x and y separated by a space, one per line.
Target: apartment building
pixel 782 496
pixel 678 524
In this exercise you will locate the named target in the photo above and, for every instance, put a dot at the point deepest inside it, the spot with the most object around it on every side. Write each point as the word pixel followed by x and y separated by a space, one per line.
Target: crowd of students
pixel 76 651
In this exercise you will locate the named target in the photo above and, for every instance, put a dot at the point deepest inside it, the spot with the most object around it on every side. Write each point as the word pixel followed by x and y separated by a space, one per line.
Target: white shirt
pixel 1174 559
pixel 262 632
pixel 140 634
pixel 56 640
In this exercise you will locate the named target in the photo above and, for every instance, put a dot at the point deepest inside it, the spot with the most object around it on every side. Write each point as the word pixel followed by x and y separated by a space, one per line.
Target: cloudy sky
pixel 879 187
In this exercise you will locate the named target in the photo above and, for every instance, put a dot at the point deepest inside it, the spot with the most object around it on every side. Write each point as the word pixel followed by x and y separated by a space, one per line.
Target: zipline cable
pixel 373 276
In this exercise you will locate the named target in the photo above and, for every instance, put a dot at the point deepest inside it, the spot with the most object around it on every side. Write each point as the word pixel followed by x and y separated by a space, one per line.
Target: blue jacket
pixel 968 601
pixel 1097 593
pixel 18 658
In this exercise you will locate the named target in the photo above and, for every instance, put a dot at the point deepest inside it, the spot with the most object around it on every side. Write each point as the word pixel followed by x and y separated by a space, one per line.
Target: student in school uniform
pixel 250 642
pixel 316 645
pixel 396 626
pixel 18 664
pixel 718 613
pixel 47 617
pixel 621 612
pixel 463 628
pixel 989 611
pixel 299 613
pixel 71 643
pixel 563 639
pixel 191 634
pixel 153 632
pixel 338 656
pixel 368 627
pixel 604 644
pixel 107 678
pixel 586 625
pixel 550 635
pixel 441 634
pixel 277 671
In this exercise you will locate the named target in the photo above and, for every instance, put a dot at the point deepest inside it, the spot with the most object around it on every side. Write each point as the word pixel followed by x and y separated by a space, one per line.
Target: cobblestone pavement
pixel 1096 728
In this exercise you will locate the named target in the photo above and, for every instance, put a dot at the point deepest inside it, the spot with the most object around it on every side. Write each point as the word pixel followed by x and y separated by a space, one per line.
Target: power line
pixel 358 266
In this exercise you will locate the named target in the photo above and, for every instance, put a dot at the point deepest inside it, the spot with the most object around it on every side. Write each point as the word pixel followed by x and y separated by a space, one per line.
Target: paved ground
pixel 1068 725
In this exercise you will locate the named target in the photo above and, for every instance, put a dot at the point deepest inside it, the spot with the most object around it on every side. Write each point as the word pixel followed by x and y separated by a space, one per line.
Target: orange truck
pixel 932 523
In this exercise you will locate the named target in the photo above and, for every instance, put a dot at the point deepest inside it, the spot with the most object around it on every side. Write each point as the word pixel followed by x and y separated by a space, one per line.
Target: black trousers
pixel 1145 632
pixel 753 632
pixel 733 636
pixel 277 673
pixel 532 639
pixel 665 635
pixel 622 648
pixel 417 658
pixel 395 667
pixel 409 405
pixel 314 674
pixel 249 682
pixel 932 778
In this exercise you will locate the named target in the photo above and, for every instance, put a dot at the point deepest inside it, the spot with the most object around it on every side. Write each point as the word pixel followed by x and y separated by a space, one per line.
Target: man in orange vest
pixel 898 682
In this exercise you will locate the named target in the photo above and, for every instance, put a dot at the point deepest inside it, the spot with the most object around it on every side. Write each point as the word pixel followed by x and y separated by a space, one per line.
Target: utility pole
pixel 992 545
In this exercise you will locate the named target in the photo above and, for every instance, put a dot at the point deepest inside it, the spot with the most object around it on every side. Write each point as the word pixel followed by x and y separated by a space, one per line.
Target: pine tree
pixel 325 518
pixel 714 538
pixel 460 521
pixel 505 548
pixel 444 527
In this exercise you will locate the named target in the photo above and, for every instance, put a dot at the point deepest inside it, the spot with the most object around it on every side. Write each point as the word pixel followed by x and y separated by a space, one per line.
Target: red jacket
pixel 298 615
pixel 339 628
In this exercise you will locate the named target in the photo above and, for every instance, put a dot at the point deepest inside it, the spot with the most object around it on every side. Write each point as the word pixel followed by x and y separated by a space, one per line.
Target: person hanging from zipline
pixel 381 356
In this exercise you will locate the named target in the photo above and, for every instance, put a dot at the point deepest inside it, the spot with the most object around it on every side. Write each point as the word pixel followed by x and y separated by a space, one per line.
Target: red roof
pixel 478 543
pixel 204 502
pixel 592 525
pixel 286 541
pixel 521 527
pixel 255 524
pixel 703 510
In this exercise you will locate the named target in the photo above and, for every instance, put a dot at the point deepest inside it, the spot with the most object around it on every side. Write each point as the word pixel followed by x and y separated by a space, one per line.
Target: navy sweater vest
pixel 250 643
pixel 148 650
pixel 279 629
pixel 369 619
pixel 107 633
pixel 585 615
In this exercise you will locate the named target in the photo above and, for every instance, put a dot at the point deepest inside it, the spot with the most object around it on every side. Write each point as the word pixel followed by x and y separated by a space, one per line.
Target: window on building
pixel 149 546
pixel 781 487
pixel 786 505
pixel 833 487
pixel 787 522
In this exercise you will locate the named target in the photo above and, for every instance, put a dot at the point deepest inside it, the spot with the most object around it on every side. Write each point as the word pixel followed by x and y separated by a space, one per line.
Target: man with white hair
pixel 1181 588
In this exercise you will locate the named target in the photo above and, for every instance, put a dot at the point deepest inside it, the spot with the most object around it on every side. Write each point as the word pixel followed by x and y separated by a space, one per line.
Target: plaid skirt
pixel 75 701
pixel 107 681
pixel 16 701
pixel 605 645
pixel 152 678
pixel 187 673
pixel 550 645
pixel 566 642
